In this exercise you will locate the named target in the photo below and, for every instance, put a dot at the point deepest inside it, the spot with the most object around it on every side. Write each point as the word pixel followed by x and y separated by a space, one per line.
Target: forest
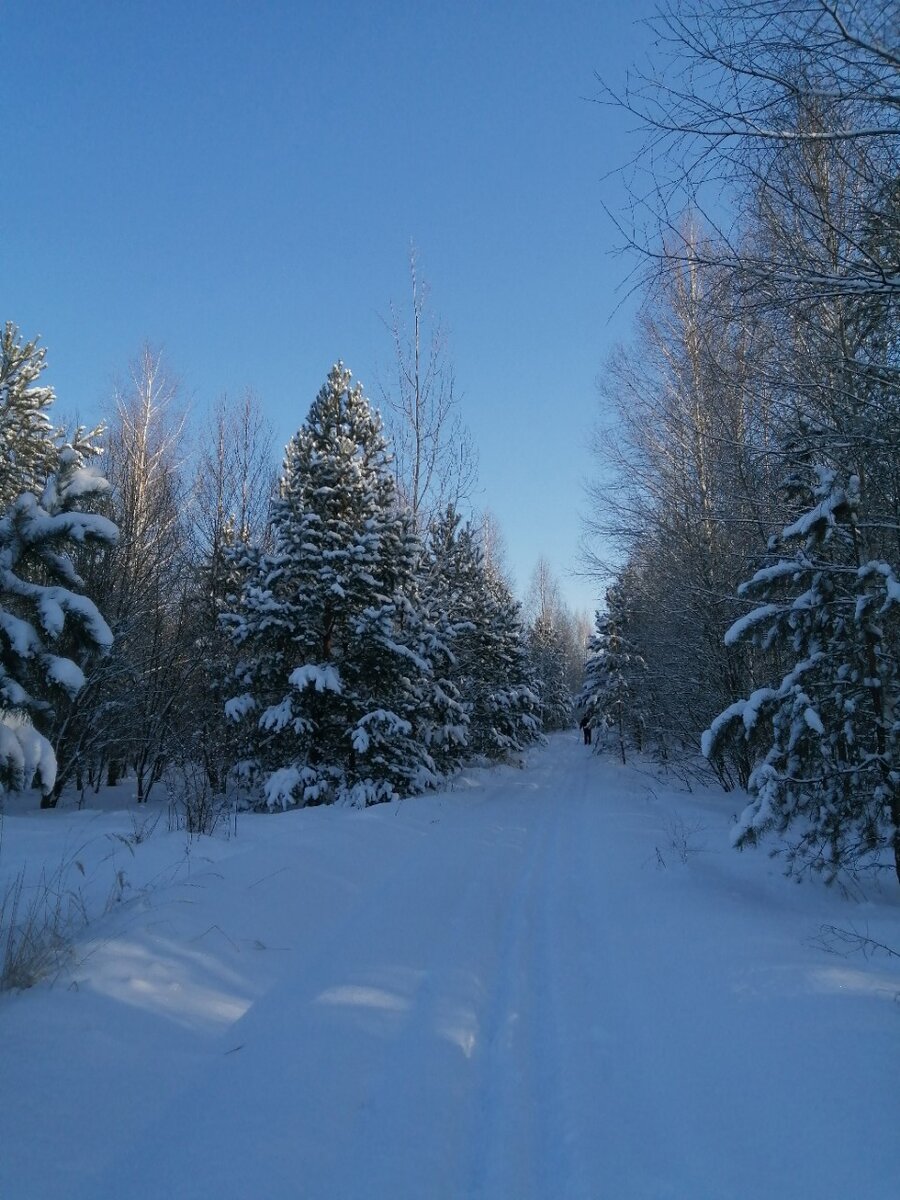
pixel 747 502
pixel 334 863
pixel 347 632
pixel 339 633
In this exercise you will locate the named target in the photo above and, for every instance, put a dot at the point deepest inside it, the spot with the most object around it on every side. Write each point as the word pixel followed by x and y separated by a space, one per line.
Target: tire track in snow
pixel 416 1105
pixel 553 996
pixel 550 1032
pixel 430 1039
pixel 510 1135
pixel 577 964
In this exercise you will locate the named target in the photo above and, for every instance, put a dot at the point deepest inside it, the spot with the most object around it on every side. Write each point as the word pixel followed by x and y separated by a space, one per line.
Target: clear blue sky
pixel 239 183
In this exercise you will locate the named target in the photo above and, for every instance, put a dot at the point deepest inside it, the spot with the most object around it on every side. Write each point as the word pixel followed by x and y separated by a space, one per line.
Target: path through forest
pixel 514 991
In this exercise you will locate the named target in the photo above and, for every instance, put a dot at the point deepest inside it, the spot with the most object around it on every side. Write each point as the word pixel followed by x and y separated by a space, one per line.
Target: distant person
pixel 585 726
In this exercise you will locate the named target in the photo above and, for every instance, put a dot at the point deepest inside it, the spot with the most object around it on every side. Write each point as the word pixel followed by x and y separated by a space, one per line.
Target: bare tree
pixel 735 86
pixel 492 544
pixel 686 497
pixel 126 716
pixel 542 600
pixel 435 461
pixel 234 481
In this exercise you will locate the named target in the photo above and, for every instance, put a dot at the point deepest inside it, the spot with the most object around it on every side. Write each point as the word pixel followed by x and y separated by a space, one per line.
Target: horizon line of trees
pixel 317 637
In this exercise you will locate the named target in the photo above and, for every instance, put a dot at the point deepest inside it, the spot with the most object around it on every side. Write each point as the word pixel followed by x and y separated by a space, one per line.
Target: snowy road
pixel 512 992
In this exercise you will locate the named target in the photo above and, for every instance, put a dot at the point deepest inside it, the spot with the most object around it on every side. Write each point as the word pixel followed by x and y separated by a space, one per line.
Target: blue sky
pixel 240 183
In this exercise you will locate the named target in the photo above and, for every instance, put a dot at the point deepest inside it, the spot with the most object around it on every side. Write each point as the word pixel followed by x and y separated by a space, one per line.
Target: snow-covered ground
pixel 513 990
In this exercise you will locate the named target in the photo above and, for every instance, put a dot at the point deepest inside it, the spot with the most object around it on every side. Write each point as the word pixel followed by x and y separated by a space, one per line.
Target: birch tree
pixel 435 461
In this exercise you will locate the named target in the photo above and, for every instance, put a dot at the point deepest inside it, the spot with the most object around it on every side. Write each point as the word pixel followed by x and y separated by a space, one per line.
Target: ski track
pixel 499 1009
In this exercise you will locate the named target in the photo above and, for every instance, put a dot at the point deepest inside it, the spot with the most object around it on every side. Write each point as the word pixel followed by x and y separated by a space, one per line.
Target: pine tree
pixel 483 629
pixel 340 672
pixel 549 646
pixel 49 629
pixel 232 490
pixel 548 652
pixel 610 697
pixel 824 735
pixel 511 704
pixel 28 445
pixel 589 699
pixel 827 734
pixel 206 736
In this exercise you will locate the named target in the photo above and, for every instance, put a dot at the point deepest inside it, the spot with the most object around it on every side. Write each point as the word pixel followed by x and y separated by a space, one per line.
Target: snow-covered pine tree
pixel 588 701
pixel 514 703
pixel 207 736
pixel 232 491
pixel 610 695
pixel 548 651
pixel 340 690
pixel 49 629
pixel 827 734
pixel 549 647
pixel 28 445
pixel 483 629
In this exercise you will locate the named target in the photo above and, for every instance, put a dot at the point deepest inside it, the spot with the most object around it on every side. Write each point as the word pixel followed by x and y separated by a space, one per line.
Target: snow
pixel 550 983
pixel 749 621
pixel 66 673
pixel 238 706
pixel 814 721
pixel 360 739
pixel 38 525
pixel 26 753
pixel 275 717
pixel 84 481
pixel 821 513
pixel 281 787
pixel 890 583
pixel 771 574
pixel 748 710
pixel 22 637
pixel 324 678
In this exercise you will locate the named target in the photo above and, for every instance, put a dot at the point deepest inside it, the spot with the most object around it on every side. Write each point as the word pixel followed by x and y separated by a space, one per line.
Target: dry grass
pixel 38 921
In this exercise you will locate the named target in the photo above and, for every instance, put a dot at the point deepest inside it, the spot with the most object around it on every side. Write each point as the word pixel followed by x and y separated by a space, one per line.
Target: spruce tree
pixel 610 697
pixel 826 735
pixel 49 628
pixel 340 672
pixel 511 701
pixel 28 445
pixel 490 661
pixel 589 701
pixel 549 658
pixel 483 629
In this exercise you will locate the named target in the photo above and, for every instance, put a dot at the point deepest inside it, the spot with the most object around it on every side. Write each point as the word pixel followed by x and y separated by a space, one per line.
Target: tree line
pixel 747 508
pixel 335 632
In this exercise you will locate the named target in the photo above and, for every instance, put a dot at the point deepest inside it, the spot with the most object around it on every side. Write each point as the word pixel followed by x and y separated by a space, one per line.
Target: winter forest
pixel 749 511
pixel 332 864
pixel 341 634
pixel 347 632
